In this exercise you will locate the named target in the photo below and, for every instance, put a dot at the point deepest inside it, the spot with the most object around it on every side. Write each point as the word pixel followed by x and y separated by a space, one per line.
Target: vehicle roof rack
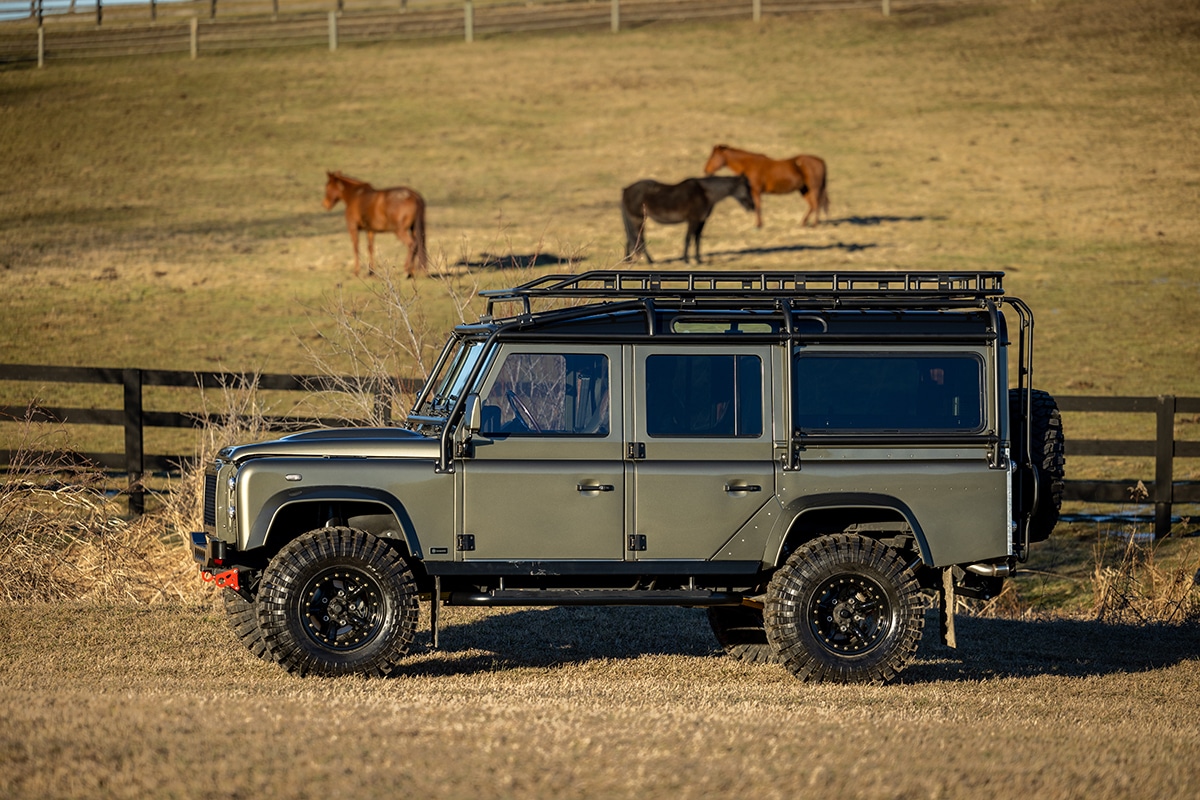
pixel 747 285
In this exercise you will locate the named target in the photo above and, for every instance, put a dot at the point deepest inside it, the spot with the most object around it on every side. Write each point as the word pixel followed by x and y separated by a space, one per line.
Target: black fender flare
pixel 793 511
pixel 261 528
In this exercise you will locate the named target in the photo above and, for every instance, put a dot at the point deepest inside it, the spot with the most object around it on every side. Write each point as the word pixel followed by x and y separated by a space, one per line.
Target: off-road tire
pixel 844 609
pixel 338 601
pixel 1048 457
pixel 740 632
pixel 243 619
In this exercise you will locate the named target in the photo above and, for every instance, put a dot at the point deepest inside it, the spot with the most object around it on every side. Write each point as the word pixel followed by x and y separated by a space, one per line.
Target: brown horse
pixel 690 201
pixel 398 209
pixel 803 173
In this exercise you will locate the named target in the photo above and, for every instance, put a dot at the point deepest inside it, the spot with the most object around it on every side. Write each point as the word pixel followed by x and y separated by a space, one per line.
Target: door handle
pixel 729 487
pixel 594 487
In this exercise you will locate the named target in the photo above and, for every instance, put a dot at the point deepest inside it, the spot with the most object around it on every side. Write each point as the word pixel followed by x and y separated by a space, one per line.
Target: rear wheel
pixel 844 609
pixel 740 632
pixel 338 601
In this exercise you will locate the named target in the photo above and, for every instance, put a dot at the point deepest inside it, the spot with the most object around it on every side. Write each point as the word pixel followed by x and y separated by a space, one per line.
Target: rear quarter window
pixel 880 392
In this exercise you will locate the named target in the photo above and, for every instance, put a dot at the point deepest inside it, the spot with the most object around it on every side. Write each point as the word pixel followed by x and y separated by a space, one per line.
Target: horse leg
pixel 693 235
pixel 756 195
pixel 370 252
pixel 354 241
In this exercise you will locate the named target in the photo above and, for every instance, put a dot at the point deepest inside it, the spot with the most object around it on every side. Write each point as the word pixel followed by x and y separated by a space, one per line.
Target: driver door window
pixel 549 394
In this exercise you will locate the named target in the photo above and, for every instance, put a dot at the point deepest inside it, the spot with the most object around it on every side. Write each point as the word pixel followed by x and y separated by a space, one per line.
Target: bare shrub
pixel 1139 586
pixel 62 536
pixel 1136 585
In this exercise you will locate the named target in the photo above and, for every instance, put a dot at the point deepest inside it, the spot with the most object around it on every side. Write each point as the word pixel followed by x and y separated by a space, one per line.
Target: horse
pixel 689 201
pixel 803 173
pixel 399 209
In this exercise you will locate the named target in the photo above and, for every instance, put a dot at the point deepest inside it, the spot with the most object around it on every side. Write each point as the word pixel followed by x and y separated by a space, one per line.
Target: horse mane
pixel 341 176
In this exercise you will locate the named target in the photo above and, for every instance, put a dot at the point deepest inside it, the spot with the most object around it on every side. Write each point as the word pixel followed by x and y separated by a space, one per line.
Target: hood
pixel 341 443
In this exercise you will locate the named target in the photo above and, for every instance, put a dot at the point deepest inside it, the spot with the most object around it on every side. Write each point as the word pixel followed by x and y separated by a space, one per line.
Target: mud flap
pixel 946 612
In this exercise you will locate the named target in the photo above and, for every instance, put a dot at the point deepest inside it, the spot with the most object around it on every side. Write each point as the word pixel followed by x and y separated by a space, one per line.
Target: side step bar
pixel 593 597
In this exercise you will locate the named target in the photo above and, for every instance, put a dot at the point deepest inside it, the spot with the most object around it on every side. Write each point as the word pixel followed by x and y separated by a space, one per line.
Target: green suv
pixel 815 458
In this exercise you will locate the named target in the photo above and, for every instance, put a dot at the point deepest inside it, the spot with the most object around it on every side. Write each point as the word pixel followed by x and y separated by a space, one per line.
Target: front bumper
pixel 208 552
pixel 210 555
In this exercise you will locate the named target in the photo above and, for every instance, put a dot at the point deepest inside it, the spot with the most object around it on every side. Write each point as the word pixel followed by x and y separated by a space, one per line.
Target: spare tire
pixel 1048 459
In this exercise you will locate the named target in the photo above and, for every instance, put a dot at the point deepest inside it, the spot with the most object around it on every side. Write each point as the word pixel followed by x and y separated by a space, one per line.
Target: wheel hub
pixel 849 614
pixel 342 609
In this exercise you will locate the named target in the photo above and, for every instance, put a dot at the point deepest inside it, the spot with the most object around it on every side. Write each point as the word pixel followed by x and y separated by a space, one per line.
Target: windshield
pixel 451 382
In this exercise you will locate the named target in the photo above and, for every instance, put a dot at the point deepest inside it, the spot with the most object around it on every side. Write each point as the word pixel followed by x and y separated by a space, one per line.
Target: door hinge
pixel 466 541
pixel 637 542
pixel 635 450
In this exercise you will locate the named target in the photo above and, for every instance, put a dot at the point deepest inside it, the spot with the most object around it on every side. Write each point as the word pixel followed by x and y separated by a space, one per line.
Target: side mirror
pixel 472 413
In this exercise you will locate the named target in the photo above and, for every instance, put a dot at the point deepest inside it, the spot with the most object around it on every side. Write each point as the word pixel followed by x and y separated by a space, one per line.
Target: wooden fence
pixel 1163 490
pixel 206 26
pixel 134 462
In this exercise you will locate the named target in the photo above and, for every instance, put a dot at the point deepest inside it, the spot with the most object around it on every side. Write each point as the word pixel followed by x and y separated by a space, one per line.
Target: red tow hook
pixel 225 580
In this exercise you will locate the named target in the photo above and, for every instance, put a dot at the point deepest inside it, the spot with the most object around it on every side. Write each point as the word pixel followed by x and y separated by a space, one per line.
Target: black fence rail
pixel 134 418
pixel 205 26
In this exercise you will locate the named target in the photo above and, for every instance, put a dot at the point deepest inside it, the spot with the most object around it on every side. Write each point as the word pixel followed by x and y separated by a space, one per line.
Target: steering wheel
pixel 522 412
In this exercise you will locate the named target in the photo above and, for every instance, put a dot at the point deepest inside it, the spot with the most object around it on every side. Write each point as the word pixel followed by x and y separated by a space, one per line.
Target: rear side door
pixel 702 453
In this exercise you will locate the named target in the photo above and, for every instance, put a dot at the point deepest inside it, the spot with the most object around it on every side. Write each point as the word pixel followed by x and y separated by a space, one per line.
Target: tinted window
pixel 548 394
pixel 935 392
pixel 703 395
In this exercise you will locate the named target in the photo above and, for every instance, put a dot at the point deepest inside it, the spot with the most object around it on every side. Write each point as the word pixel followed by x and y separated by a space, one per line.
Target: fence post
pixel 757 10
pixel 134 453
pixel 195 25
pixel 1164 470
pixel 887 8
pixel 41 47
pixel 333 32
pixel 469 20
pixel 616 16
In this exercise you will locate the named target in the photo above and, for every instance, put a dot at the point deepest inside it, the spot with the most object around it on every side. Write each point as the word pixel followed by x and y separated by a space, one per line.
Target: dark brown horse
pixel 398 209
pixel 690 201
pixel 803 173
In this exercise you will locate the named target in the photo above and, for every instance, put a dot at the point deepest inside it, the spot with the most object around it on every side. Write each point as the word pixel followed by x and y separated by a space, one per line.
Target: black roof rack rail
pixel 747 285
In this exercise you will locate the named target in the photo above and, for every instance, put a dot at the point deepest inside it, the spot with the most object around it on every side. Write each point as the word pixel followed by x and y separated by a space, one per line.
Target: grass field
pixel 163 213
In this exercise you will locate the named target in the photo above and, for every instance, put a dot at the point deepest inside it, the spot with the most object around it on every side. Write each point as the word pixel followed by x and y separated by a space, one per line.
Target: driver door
pixel 546 479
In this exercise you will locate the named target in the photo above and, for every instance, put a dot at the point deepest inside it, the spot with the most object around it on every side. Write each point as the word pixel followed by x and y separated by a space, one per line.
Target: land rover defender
pixel 815 458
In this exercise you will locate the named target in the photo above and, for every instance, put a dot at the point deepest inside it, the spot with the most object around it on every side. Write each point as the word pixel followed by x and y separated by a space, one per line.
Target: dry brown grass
pixel 63 535
pixel 1057 141
pixel 121 701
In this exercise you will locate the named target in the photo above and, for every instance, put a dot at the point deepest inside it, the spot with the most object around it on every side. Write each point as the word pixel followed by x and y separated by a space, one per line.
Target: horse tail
pixel 418 230
pixel 814 171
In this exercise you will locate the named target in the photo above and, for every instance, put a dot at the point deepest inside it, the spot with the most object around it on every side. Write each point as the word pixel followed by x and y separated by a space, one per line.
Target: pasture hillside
pixel 165 213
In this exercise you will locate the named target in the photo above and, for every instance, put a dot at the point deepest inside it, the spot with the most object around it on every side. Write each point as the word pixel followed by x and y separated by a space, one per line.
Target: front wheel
pixel 844 609
pixel 338 601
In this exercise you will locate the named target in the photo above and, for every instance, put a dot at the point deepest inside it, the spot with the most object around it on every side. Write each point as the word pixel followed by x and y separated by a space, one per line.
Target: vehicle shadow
pixel 988 648
pixel 1007 648
pixel 542 637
